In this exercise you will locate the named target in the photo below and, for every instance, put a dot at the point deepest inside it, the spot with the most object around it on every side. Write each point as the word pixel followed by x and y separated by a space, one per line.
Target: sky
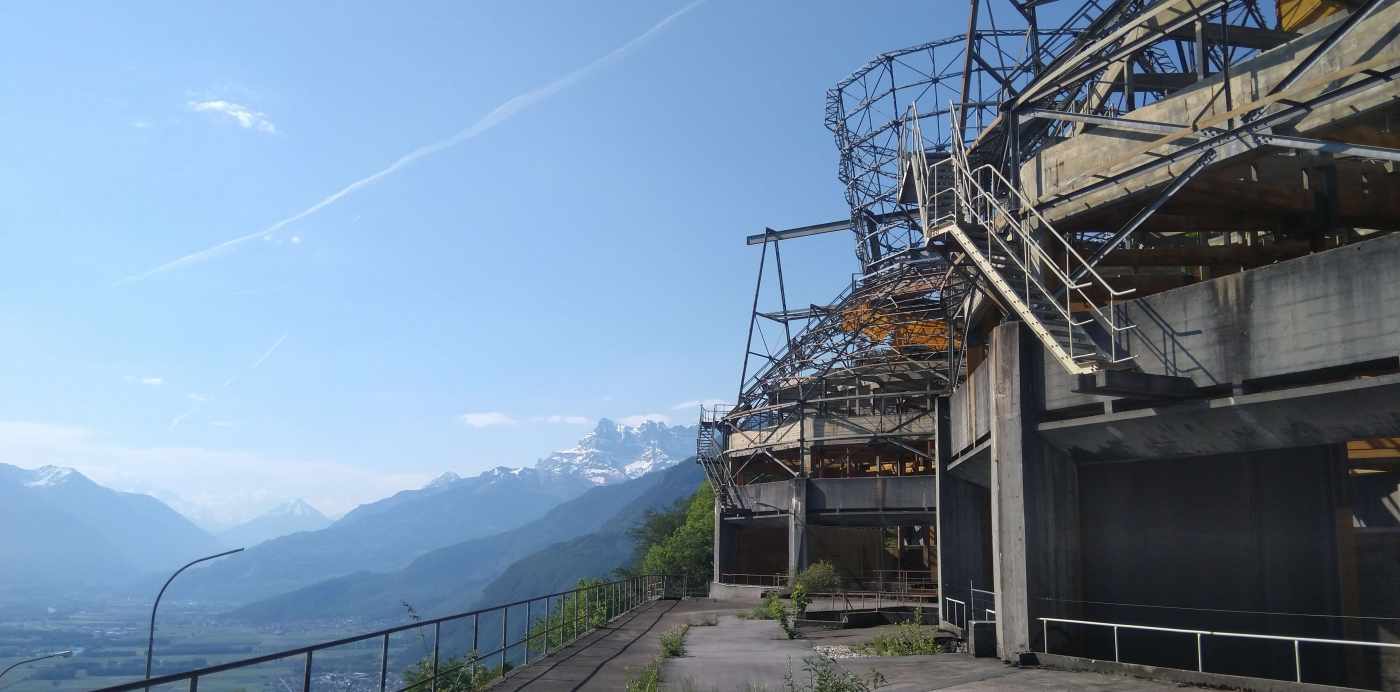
pixel 259 251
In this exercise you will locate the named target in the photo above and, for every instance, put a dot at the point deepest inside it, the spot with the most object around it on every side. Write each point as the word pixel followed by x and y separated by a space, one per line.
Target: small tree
pixel 819 577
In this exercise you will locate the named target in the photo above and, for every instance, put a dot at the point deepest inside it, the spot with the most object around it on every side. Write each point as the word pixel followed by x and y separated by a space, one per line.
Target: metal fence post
pixel 529 636
pixel 384 664
pixel 1045 635
pixel 476 632
pixel 437 637
pixel 1200 661
pixel 1297 663
pixel 1115 644
pixel 306 674
pixel 505 637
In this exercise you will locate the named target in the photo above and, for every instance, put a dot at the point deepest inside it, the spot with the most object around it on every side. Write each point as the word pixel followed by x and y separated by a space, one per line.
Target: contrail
pixel 199 402
pixel 498 115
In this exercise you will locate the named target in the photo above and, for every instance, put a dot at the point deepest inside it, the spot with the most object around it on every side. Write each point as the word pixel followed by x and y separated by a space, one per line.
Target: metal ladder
pixel 709 453
pixel 1020 256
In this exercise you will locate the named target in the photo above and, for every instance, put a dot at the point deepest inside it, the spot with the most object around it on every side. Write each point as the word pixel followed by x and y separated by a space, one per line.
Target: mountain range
pixel 541 556
pixel 61 533
pixel 133 540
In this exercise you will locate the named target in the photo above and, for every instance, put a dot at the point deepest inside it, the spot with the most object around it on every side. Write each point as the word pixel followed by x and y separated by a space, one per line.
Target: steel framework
pixel 938 144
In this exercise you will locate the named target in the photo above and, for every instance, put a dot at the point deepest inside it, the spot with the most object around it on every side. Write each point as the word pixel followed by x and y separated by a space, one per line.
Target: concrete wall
pixel 819 429
pixel 1332 308
pixel 835 495
pixel 1239 532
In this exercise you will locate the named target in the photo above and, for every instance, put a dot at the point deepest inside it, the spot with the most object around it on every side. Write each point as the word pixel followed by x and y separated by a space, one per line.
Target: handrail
pixel 615 598
pixel 1199 634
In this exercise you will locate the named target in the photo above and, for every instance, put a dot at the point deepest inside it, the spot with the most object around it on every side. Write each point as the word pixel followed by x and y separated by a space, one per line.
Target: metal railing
pixel 954 612
pixel 567 616
pixel 985 601
pixel 871 600
pixel 744 579
pixel 1200 636
pixel 986 200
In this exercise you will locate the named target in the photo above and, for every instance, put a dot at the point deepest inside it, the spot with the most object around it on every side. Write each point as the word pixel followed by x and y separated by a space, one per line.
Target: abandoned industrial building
pixel 1117 373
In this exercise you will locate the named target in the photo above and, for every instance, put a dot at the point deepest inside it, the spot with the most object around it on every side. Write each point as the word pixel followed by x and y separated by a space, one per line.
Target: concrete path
pixel 734 655
pixel 597 661
pixel 751 655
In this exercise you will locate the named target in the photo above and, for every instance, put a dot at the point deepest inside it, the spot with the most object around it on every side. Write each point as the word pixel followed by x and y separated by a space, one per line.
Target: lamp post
pixel 151 641
pixel 64 654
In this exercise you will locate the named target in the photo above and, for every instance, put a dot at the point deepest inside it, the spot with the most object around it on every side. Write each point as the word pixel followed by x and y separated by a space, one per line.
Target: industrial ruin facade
pixel 1121 349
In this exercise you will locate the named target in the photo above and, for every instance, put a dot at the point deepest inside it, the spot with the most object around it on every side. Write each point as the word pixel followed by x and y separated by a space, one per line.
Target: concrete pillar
pixel 725 546
pixel 1035 522
pixel 963 527
pixel 797 528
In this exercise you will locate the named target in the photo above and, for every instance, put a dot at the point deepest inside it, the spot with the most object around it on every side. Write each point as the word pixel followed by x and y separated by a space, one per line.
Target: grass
pixel 673 641
pixel 648 678
pixel 907 639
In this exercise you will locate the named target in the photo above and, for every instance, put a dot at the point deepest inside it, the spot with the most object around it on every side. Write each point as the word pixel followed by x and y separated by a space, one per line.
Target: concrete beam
pixel 1298 417
pixel 1135 385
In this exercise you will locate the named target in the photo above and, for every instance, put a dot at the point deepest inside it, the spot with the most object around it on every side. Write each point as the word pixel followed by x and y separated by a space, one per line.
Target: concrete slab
pixel 749 655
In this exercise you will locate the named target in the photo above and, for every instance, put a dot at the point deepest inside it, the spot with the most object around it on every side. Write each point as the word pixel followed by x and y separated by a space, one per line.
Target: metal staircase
pixel 1019 255
pixel 709 453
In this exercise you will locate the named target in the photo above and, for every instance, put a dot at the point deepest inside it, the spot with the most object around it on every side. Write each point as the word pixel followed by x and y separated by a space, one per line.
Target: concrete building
pixel 1126 331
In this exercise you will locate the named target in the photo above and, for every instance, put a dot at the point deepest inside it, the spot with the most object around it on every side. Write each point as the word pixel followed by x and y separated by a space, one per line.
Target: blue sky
pixel 580 256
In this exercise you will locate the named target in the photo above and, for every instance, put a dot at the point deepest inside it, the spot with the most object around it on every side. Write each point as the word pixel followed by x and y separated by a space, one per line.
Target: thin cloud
pixel 487 419
pixel 496 116
pixel 567 420
pixel 149 380
pixel 246 117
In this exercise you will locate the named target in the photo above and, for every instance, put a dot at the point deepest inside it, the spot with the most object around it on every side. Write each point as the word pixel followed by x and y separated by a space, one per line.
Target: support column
pixel 1035 500
pixel 963 526
pixel 725 545
pixel 797 528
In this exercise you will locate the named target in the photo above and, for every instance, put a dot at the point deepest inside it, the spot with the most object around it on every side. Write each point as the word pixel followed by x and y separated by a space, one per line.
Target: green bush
pixel 819 577
pixel 454 675
pixel 823 675
pixel 673 641
pixel 907 639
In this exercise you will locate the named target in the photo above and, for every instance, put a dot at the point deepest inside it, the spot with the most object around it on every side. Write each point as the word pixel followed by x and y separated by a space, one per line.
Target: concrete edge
pixel 1220 680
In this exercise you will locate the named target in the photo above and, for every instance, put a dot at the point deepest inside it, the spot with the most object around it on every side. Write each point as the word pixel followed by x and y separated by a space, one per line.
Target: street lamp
pixel 151 641
pixel 64 654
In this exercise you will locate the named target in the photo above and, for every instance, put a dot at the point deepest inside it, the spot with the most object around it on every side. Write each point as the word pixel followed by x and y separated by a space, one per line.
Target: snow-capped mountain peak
pixel 295 508
pixel 614 452
pixel 49 476
pixel 443 481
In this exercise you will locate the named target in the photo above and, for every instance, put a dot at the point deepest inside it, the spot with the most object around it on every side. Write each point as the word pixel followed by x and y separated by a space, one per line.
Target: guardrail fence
pixel 501 638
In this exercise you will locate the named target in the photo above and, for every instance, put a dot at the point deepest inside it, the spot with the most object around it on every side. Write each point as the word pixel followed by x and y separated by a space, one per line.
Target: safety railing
pixel 870 600
pixel 985 200
pixel 1201 635
pixel 984 602
pixel 955 612
pixel 747 579
pixel 566 616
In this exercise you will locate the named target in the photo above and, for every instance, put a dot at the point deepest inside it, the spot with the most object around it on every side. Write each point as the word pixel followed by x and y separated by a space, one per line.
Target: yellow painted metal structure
pixel 902 332
pixel 1294 15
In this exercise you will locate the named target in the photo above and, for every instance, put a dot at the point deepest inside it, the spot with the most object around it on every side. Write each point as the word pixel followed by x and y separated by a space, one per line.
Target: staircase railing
pixel 1029 256
pixel 709 452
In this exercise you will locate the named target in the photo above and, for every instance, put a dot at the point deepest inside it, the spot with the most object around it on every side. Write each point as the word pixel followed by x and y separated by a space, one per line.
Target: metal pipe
pixel 56 654
pixel 151 638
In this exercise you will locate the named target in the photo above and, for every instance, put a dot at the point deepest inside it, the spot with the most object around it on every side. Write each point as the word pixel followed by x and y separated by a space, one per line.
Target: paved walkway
pixel 734 655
